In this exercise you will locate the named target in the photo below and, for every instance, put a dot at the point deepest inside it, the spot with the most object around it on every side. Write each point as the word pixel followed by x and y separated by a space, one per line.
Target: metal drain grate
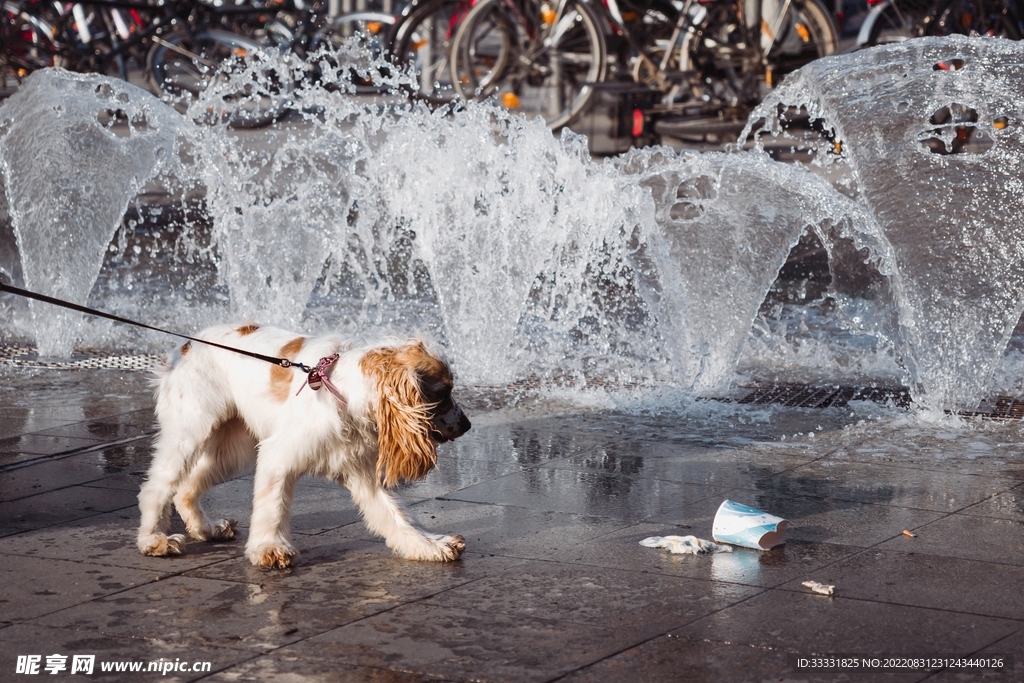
pixel 1000 407
pixel 24 356
pixel 805 396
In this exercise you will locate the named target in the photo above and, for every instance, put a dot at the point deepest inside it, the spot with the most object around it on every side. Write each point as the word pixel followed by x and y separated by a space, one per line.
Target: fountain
pixel 68 183
pixel 932 133
pixel 525 258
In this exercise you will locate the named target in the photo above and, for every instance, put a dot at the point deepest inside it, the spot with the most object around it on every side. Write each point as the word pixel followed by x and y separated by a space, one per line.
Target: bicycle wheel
pixel 530 57
pixel 900 20
pixel 422 40
pixel 970 17
pixel 808 33
pixel 369 30
pixel 183 64
pixel 27 45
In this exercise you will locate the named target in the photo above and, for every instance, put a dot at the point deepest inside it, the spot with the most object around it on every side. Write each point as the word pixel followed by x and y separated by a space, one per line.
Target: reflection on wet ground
pixel 554 584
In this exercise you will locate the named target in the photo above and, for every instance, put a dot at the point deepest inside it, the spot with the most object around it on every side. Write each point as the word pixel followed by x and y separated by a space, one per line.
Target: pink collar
pixel 317 378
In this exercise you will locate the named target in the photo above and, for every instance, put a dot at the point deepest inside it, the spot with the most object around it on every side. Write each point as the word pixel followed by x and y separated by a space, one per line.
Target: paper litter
pixel 685 545
pixel 742 525
pixel 819 588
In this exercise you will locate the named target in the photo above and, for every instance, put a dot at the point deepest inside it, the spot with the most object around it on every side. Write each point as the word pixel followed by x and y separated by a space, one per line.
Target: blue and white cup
pixel 742 525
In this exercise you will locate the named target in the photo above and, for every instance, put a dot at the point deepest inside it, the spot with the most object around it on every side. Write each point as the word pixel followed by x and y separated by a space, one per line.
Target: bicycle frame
pixel 688 22
pixel 874 15
pixel 702 57
pixel 125 34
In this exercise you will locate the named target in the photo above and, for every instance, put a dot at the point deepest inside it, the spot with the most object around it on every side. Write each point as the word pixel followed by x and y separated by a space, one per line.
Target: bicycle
pixel 976 17
pixel 206 51
pixel 181 46
pixel 421 41
pixel 27 42
pixel 893 21
pixel 705 58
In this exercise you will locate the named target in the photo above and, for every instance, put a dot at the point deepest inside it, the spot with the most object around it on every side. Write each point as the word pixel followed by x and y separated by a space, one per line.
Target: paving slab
pixel 585 493
pixel 1011 646
pixel 455 474
pixel 986 448
pixel 15 449
pixel 806 623
pixel 622 550
pixel 881 484
pixel 827 520
pixel 113 652
pixel 462 642
pixel 63 505
pixel 553 501
pixel 970 537
pixel 31 587
pixel 109 539
pixel 359 568
pixel 315 508
pixel 941 583
pixel 676 658
pixel 529 439
pixel 119 466
pixel 688 463
pixel 199 611
pixel 641 603
pixel 1006 505
pixel 18 420
pixel 108 428
pixel 290 667
pixel 509 530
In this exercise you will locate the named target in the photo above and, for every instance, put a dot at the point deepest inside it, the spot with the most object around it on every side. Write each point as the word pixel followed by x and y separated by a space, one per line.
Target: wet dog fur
pixel 221 412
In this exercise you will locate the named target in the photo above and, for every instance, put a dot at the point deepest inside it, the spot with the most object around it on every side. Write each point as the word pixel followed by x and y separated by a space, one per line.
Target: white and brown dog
pixel 220 412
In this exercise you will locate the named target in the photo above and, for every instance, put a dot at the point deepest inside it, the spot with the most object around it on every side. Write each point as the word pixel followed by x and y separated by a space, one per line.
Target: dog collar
pixel 317 377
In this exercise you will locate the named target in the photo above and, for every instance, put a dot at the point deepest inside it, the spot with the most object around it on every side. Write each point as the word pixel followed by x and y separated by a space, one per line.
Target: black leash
pixel 283 362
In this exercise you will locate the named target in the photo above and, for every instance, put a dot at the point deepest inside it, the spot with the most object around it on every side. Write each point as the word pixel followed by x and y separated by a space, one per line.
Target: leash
pixel 316 375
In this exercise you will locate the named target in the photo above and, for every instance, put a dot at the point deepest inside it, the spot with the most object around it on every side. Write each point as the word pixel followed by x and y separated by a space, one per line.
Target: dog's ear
pixel 406 450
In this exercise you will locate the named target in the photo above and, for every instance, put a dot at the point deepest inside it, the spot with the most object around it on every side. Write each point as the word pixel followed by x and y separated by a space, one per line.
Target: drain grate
pixel 24 356
pixel 1000 407
pixel 807 396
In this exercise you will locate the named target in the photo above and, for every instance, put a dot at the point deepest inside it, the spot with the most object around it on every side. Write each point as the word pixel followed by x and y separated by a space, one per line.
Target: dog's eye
pixel 441 397
pixel 436 392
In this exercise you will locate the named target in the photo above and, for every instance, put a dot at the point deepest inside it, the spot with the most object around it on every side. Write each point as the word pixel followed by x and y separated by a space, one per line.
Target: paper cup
pixel 748 527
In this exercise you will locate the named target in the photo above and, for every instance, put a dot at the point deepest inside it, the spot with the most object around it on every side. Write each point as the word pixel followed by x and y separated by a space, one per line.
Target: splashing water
pixel 529 261
pixel 932 133
pixel 69 181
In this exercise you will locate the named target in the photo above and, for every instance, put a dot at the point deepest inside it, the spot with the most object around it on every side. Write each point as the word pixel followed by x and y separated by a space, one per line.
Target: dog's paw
pixel 453 547
pixel 160 545
pixel 443 548
pixel 272 556
pixel 224 530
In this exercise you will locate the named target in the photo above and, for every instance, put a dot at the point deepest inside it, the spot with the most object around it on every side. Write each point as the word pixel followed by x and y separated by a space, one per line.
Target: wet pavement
pixel 554 585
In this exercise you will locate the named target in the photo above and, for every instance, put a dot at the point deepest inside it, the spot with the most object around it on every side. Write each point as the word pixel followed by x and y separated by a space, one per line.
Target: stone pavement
pixel 554 585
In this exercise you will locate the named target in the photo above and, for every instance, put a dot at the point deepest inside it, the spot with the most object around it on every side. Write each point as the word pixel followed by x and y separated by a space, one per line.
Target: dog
pixel 219 412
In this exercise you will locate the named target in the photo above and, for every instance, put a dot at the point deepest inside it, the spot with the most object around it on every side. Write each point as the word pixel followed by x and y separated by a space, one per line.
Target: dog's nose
pixel 464 424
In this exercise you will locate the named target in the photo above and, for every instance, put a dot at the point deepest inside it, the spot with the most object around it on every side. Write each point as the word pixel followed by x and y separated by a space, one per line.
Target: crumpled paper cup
pixel 742 525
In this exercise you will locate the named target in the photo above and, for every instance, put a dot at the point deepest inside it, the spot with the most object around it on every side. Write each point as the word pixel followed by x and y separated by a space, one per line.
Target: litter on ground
pixel 820 588
pixel 685 545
